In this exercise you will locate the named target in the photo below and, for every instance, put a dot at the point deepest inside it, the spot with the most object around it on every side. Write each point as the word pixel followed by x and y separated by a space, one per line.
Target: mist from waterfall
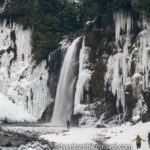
pixel 64 100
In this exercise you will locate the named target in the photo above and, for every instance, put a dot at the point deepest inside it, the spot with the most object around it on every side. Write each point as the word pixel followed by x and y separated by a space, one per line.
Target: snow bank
pixel 60 135
pixel 126 133
pixel 74 136
pixel 13 112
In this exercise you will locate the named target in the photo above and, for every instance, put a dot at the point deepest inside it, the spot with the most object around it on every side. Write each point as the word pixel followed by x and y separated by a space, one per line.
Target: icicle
pixel 83 77
pixel 17 76
pixel 126 68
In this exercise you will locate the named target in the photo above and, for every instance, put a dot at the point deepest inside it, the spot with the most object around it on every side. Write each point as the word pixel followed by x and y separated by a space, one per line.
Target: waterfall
pixel 64 100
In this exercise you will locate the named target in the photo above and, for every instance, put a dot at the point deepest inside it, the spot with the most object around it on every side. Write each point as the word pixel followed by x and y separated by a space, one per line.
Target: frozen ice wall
pixel 24 84
pixel 83 79
pixel 130 64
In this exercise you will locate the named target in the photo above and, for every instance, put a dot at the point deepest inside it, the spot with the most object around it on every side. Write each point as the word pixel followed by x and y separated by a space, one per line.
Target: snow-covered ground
pixel 126 133
pixel 118 135
pixel 73 136
pixel 13 112
pixel 121 135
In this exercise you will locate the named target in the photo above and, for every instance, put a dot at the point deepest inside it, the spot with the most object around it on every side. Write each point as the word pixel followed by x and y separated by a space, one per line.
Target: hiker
pixel 68 124
pixel 149 139
pixel 138 141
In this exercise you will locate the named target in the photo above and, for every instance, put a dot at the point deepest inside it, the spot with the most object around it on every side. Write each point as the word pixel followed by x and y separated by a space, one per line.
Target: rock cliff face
pixel 119 59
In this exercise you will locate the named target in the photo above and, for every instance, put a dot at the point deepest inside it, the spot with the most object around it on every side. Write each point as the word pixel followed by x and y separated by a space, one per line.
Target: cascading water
pixel 65 90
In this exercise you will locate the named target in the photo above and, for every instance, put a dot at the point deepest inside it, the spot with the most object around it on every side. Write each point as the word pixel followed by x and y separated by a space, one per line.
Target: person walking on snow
pixel 68 124
pixel 138 140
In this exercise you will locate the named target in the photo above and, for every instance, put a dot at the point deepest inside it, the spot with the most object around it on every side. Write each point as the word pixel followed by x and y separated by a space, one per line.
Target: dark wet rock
pixel 2 3
pixel 133 67
pixel 145 117
pixel 100 126
pixel 75 119
pixel 14 48
pixel 5 134
pixel 12 139
pixel 146 95
pixel 5 121
pixel 47 114
pixel 110 100
pixel 2 52
pixel 130 101
pixel 100 37
pixel 8 144
pixel 54 66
